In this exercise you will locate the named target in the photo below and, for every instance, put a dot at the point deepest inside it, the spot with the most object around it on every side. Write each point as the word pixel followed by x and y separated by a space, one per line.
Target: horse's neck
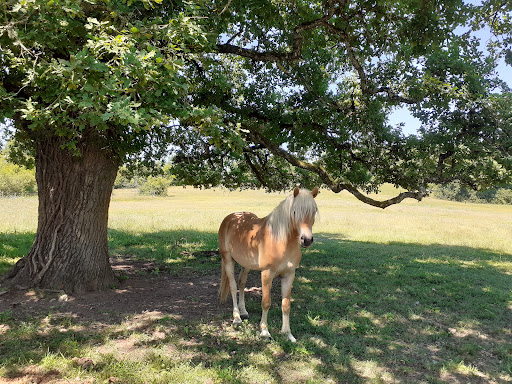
pixel 289 238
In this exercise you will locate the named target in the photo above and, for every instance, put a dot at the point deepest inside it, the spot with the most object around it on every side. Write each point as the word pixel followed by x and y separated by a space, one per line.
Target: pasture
pixel 416 293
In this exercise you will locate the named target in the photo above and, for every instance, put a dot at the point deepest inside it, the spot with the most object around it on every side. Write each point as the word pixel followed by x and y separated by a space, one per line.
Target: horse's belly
pixel 246 258
pixel 261 257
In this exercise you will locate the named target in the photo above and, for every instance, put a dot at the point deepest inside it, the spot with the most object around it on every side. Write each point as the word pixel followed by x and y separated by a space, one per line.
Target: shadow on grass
pixel 13 247
pixel 362 312
pixel 178 249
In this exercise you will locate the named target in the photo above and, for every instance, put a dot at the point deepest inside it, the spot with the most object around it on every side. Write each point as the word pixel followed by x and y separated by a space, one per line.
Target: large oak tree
pixel 246 94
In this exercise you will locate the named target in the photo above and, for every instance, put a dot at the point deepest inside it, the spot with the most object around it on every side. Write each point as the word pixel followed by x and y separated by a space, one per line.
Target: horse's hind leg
pixel 229 269
pixel 242 280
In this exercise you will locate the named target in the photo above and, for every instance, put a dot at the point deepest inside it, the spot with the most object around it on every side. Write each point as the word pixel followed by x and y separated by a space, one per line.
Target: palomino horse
pixel 270 245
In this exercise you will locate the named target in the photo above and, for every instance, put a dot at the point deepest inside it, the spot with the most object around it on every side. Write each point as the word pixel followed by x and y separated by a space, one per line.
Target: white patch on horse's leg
pixel 266 284
pixel 286 289
pixel 230 273
pixel 242 280
pixel 263 325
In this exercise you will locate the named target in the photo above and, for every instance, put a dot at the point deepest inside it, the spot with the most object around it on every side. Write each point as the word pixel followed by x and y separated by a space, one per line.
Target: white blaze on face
pixel 305 234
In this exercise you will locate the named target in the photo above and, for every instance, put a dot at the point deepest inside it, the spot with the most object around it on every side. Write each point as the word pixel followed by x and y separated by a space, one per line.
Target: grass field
pixel 416 293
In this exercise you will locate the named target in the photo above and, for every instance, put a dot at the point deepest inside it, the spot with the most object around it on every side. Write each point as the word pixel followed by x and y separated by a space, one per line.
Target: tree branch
pixel 297 39
pixel 296 54
pixel 335 186
pixel 259 56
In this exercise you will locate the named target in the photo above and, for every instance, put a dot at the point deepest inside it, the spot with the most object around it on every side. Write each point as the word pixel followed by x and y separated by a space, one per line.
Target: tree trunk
pixel 70 250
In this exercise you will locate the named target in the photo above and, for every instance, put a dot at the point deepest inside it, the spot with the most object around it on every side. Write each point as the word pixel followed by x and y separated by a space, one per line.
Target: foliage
pixel 126 179
pixel 456 192
pixel 15 179
pixel 266 93
pixel 110 73
pixel 149 181
pixel 311 85
pixel 137 174
pixel 496 14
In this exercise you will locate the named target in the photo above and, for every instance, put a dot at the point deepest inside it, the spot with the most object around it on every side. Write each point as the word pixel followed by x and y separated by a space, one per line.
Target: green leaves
pixel 97 66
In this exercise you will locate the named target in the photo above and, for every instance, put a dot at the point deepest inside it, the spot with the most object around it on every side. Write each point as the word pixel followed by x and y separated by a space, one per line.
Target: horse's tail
pixel 224 283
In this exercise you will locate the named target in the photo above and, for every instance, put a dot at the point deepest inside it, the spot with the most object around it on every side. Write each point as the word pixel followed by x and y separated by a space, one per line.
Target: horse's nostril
pixel 306 241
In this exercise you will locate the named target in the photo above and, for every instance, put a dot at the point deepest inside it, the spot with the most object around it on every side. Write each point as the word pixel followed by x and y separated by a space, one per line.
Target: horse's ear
pixel 314 192
pixel 296 191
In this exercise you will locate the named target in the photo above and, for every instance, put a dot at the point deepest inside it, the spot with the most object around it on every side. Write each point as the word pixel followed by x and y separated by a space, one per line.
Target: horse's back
pixel 236 228
pixel 238 221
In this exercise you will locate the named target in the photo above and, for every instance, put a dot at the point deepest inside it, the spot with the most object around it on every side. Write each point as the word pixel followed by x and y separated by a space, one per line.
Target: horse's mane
pixel 292 210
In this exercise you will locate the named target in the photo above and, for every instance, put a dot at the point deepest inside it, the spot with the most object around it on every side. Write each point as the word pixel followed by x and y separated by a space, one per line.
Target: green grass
pixel 416 293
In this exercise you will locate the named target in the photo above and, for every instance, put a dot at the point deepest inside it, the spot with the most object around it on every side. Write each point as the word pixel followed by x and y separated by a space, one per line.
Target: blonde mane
pixel 291 212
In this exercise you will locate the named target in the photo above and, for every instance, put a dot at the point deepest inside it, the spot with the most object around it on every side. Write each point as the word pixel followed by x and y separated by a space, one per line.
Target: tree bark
pixel 70 250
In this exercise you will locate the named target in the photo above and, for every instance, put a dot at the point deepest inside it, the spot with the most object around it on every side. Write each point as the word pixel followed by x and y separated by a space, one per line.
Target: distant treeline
pixel 16 179
pixel 154 181
pixel 457 192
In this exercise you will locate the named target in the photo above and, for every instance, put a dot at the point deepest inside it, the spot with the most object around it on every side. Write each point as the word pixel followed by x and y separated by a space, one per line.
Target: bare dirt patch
pixel 144 288
pixel 146 294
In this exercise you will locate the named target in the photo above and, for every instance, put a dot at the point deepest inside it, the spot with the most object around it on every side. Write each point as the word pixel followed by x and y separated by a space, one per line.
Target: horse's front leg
pixel 286 291
pixel 266 284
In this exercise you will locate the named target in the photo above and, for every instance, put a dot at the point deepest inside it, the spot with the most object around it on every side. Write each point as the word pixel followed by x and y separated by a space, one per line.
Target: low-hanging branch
pixel 327 179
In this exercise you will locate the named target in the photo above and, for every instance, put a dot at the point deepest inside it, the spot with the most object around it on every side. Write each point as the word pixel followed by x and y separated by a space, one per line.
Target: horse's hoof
pixel 237 321
pixel 290 337
pixel 265 334
pixel 244 316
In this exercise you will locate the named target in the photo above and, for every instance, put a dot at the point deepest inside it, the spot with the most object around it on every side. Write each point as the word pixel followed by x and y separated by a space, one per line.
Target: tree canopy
pixel 267 93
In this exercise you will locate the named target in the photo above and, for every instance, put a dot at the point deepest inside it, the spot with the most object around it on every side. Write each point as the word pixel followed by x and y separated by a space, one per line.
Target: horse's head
pixel 303 213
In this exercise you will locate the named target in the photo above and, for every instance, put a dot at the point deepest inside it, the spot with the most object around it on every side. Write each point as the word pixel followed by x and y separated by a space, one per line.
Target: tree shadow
pixel 362 312
pixel 172 251
pixel 409 311
pixel 12 247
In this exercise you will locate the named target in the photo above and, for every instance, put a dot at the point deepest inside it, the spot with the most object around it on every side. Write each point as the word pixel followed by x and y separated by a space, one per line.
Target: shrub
pixel 503 196
pixel 155 185
pixel 124 180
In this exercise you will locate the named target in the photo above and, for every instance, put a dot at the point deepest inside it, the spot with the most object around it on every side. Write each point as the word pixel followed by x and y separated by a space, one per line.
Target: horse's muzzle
pixel 306 241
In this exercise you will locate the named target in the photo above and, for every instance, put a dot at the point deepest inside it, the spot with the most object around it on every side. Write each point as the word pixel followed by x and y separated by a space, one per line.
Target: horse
pixel 272 245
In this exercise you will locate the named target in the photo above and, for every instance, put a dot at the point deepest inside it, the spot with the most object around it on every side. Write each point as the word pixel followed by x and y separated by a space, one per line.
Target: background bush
pixel 15 179
pixel 127 179
pixel 155 185
pixel 456 192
